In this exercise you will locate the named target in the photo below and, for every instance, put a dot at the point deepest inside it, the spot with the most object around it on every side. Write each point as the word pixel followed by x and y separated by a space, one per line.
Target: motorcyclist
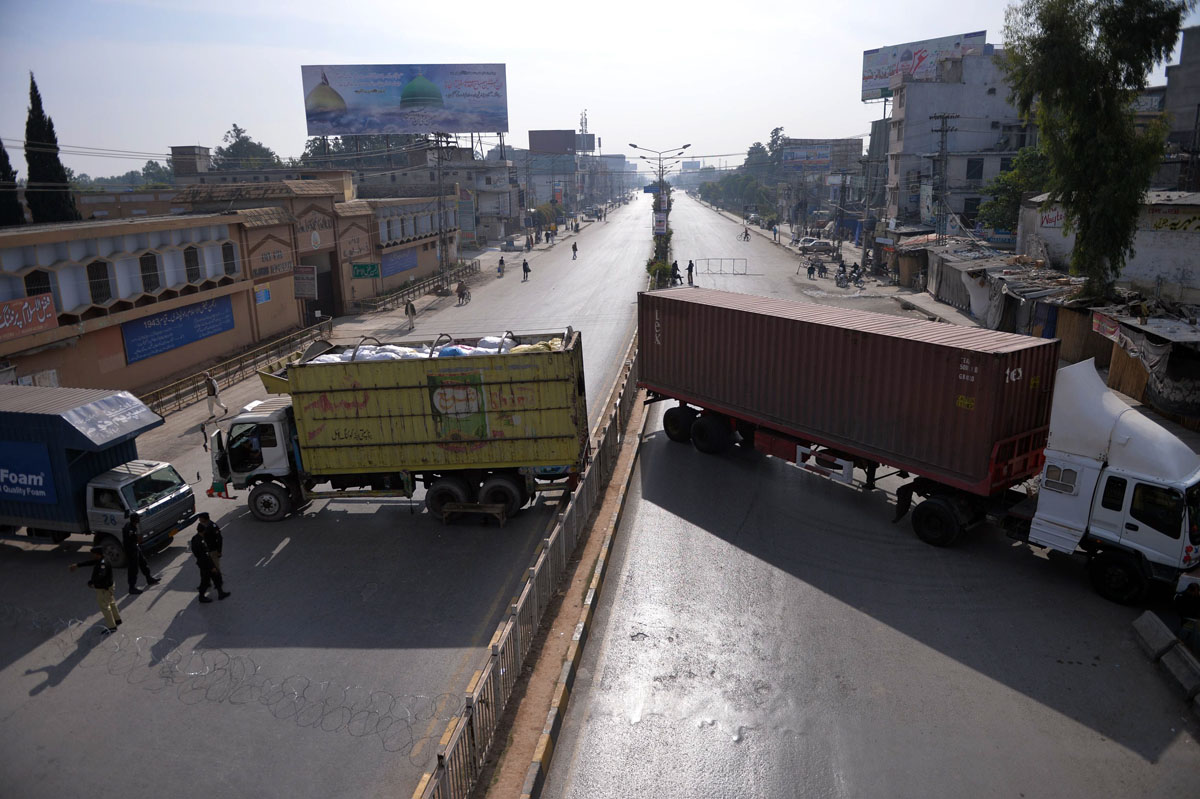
pixel 462 292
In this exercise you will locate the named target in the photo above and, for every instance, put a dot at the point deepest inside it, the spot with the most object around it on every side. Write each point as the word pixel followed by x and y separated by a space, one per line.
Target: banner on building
pixel 466 220
pixel 364 270
pixel 917 59
pixel 304 282
pixel 365 99
pixel 262 296
pixel 660 223
pixel 163 332
pixel 398 261
pixel 27 315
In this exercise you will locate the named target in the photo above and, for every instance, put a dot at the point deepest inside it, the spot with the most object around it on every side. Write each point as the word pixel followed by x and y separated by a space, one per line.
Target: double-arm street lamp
pixel 668 153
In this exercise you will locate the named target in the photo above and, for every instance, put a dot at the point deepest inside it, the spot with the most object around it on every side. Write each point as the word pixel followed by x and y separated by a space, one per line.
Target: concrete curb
pixel 539 769
pixel 1177 663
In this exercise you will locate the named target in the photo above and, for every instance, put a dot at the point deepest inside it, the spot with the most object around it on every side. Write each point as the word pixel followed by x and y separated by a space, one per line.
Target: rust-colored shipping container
pixel 966 407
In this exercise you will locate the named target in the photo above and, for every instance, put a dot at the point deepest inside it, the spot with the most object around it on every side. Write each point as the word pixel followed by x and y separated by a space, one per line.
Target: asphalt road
pixel 353 628
pixel 767 633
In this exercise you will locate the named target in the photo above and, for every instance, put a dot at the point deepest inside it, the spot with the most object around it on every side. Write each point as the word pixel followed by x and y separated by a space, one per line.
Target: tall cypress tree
pixel 11 210
pixel 47 193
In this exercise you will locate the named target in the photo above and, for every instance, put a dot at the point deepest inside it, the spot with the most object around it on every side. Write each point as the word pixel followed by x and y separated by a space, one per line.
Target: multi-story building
pixel 983 135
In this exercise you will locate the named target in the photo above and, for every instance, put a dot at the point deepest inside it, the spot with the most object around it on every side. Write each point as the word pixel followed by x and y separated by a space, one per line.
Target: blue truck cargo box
pixel 53 441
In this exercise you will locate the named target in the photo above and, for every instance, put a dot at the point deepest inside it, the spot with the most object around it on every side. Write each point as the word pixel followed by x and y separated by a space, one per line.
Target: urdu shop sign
pixel 364 270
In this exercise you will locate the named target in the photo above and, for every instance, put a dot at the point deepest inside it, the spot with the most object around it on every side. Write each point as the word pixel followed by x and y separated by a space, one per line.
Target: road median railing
pixel 174 396
pixel 418 288
pixel 468 738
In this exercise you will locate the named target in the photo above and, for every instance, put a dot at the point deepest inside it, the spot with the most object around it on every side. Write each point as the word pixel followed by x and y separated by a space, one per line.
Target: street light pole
pixel 662 188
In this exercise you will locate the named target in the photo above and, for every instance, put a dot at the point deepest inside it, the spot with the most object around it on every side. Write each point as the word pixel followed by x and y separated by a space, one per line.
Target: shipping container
pixel 53 441
pixel 966 407
pixel 504 411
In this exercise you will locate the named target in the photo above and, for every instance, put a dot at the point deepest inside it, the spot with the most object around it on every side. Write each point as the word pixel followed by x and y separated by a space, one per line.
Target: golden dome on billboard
pixel 324 97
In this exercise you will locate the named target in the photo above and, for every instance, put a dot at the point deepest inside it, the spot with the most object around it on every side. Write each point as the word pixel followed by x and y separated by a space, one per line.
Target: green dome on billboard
pixel 420 92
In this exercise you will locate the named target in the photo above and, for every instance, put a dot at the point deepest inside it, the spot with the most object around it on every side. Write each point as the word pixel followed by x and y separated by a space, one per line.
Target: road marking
pixel 265 561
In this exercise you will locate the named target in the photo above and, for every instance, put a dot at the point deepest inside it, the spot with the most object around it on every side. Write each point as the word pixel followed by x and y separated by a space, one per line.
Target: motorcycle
pixel 840 279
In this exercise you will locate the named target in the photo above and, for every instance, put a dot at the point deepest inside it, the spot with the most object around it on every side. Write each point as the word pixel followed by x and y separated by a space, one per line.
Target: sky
pixel 143 75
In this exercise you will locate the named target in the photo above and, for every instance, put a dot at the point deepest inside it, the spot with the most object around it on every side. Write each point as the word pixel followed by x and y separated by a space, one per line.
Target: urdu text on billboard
pixel 918 59
pixel 361 99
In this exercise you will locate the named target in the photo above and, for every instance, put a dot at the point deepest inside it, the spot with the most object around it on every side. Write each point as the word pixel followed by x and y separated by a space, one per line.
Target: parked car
pixel 753 219
pixel 817 245
pixel 804 242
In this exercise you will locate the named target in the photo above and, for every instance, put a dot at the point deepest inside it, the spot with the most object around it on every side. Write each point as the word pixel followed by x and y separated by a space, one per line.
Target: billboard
pixel 812 156
pixel 918 59
pixel 691 166
pixel 360 99
pixel 162 332
pixel 585 142
pixel 552 142
pixel 27 315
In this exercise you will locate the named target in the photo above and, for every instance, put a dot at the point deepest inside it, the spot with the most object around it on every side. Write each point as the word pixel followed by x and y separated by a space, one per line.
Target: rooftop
pixel 284 189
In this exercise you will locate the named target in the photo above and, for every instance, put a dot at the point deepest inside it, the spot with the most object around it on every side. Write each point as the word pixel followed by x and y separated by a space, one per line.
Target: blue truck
pixel 69 466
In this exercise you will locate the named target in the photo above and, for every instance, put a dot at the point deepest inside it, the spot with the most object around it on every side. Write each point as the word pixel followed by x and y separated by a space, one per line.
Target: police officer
pixel 212 537
pixel 131 537
pixel 209 575
pixel 102 581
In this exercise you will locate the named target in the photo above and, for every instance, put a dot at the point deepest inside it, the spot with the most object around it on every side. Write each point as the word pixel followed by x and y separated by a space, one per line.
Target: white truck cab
pixel 1118 486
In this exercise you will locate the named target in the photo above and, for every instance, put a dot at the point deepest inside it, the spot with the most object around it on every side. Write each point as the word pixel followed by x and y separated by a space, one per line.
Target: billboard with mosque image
pixel 374 99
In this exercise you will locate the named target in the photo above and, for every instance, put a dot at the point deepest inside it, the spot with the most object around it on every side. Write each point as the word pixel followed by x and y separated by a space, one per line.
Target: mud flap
pixel 904 495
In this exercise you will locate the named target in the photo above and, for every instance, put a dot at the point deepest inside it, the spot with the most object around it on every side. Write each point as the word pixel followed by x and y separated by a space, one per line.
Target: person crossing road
pixel 574 250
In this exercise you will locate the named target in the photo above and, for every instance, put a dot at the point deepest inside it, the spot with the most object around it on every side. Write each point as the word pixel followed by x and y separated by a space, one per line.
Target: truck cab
pixel 1118 486
pixel 154 490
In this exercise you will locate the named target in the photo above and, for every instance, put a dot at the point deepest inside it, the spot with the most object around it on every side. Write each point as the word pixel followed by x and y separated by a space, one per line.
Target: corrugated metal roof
pixel 352 208
pixel 256 191
pixel 957 336
pixel 265 217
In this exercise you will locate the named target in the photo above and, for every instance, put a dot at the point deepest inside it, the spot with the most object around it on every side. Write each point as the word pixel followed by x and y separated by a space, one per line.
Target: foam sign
pixel 25 473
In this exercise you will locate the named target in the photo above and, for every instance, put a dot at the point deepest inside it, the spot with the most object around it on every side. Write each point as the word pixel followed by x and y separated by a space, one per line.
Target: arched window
pixel 191 264
pixel 98 282
pixel 148 263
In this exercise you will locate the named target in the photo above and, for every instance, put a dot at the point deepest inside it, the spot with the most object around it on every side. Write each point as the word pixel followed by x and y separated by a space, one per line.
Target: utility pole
pixel 437 142
pixel 943 204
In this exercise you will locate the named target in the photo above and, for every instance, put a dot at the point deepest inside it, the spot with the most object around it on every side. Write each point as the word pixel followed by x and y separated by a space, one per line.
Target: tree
pixel 775 149
pixel 1077 65
pixel 154 173
pixel 758 161
pixel 11 210
pixel 1030 173
pixel 48 192
pixel 242 152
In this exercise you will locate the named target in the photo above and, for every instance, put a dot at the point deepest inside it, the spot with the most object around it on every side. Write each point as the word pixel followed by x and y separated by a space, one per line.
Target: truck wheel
pixel 500 489
pixel 711 434
pixel 270 502
pixel 114 552
pixel 936 523
pixel 443 491
pixel 1117 578
pixel 677 424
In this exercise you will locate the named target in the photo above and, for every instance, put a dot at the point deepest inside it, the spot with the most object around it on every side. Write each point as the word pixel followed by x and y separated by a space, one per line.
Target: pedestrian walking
pixel 210 575
pixel 135 559
pixel 102 581
pixel 500 267
pixel 690 268
pixel 524 270
pixel 212 537
pixel 574 250
pixel 214 396
pixel 410 311
pixel 675 278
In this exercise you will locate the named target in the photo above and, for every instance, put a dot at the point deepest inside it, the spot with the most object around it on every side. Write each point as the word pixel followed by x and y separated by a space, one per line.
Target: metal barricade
pixel 720 266
pixel 396 298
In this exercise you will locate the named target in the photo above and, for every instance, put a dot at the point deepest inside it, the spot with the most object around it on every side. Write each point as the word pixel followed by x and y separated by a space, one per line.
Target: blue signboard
pixel 397 261
pixel 261 296
pixel 651 189
pixel 25 474
pixel 162 332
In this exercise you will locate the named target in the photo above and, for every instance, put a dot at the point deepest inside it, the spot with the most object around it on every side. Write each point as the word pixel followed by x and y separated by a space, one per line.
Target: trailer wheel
pixel 501 489
pixel 936 523
pixel 711 434
pixel 114 551
pixel 677 424
pixel 1117 578
pixel 443 491
pixel 270 502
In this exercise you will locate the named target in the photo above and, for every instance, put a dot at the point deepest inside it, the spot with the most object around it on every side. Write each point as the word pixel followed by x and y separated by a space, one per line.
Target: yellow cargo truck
pixel 477 431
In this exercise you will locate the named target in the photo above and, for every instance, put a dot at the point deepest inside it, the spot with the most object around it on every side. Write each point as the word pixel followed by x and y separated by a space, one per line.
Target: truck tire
pixel 711 434
pixel 936 523
pixel 114 551
pixel 443 491
pixel 501 489
pixel 270 502
pixel 1118 578
pixel 677 424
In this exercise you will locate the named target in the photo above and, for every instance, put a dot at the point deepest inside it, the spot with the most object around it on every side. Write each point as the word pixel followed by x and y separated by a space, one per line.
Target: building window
pixel 487 180
pixel 393 177
pixel 432 176
pixel 229 257
pixel 191 264
pixel 1006 164
pixel 148 263
pixel 974 169
pixel 98 283
pixel 970 208
pixel 37 283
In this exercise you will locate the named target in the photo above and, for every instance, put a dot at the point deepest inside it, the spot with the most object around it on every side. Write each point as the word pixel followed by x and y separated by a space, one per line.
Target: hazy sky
pixel 142 75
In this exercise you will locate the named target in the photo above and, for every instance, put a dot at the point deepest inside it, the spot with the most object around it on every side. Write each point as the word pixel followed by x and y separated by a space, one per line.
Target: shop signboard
pixel 162 332
pixel 304 280
pixel 364 270
pixel 916 59
pixel 374 99
pixel 26 315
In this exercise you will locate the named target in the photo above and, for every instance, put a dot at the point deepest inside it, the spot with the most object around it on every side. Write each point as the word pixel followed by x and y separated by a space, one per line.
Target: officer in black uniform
pixel 212 538
pixel 209 574
pixel 131 537
pixel 102 582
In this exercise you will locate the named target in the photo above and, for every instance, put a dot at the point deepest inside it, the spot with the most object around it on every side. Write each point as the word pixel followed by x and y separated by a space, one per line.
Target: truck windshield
pixel 149 488
pixel 1193 513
